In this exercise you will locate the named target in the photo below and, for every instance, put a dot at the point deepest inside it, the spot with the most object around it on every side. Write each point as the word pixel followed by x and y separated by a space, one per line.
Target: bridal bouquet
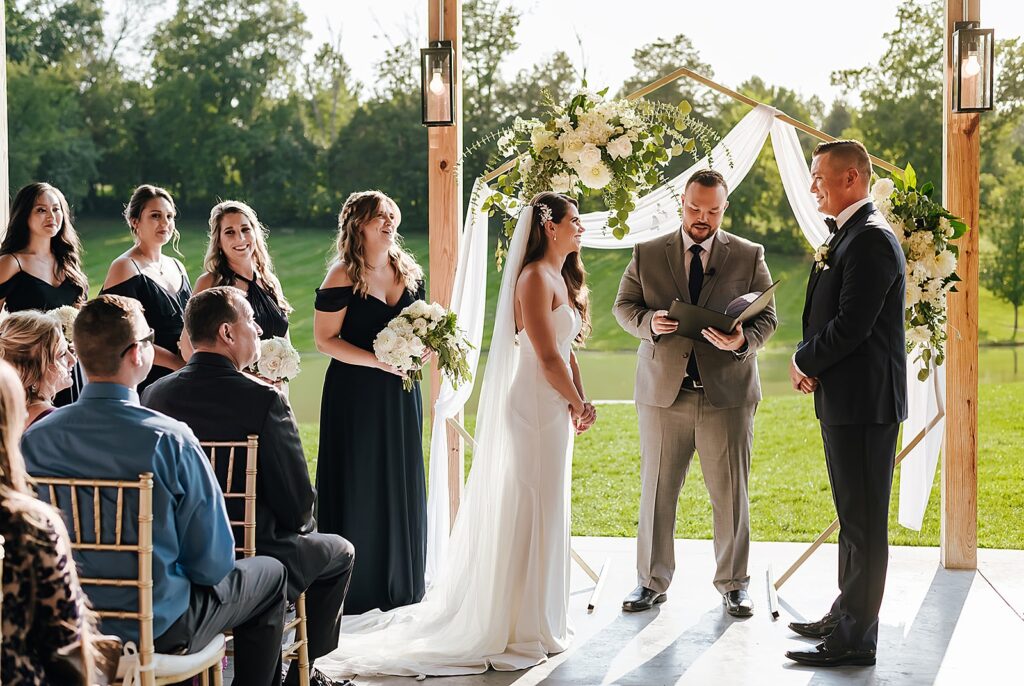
pixel 65 316
pixel 614 148
pixel 420 327
pixel 279 360
pixel 925 230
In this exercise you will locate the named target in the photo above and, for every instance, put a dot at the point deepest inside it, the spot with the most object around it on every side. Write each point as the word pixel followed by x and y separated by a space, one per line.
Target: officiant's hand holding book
pixel 694 320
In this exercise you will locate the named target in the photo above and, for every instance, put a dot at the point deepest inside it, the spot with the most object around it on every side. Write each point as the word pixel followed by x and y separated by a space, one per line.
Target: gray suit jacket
pixel 654 278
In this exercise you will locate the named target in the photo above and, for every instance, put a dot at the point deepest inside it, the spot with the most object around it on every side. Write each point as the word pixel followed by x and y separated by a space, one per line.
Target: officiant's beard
pixel 699 231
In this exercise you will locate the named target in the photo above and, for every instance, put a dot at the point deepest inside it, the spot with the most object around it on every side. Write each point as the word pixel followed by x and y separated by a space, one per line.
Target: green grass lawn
pixel 790 498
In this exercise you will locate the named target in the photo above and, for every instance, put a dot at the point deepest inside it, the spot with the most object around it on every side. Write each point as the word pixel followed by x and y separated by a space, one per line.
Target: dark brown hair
pixel 104 328
pixel 573 273
pixel 709 178
pixel 65 247
pixel 848 152
pixel 142 195
pixel 207 310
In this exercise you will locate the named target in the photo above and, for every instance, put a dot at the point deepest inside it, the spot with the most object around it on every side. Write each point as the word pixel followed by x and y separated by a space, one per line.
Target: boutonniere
pixel 821 258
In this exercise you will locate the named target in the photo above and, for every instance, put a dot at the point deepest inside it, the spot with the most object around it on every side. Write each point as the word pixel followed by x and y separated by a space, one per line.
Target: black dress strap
pixel 333 299
pixel 137 267
pixel 20 268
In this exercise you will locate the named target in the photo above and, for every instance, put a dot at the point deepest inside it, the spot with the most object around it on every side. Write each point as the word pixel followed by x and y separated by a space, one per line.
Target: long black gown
pixel 370 478
pixel 24 291
pixel 165 312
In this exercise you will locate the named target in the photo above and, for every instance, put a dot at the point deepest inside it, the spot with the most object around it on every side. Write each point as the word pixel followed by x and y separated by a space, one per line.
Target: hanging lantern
pixel 973 62
pixel 436 84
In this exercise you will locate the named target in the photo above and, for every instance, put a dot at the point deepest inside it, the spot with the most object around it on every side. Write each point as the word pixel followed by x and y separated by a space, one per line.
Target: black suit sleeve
pixel 869 271
pixel 282 468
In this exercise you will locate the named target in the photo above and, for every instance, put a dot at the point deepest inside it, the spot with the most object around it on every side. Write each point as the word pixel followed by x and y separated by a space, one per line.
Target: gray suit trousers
pixel 723 438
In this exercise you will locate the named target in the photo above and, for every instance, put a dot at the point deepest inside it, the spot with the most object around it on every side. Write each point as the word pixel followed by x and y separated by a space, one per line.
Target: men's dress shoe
pixel 738 603
pixel 819 629
pixel 822 656
pixel 642 599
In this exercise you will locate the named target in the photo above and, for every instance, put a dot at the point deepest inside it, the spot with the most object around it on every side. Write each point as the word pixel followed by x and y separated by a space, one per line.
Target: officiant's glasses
pixel 148 338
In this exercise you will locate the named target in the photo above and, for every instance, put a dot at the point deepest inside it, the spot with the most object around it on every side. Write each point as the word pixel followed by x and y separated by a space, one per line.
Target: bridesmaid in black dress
pixel 40 261
pixel 157 281
pixel 237 256
pixel 369 476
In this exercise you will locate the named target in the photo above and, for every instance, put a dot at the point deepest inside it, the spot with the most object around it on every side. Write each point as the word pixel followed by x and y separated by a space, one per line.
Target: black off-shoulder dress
pixel 370 477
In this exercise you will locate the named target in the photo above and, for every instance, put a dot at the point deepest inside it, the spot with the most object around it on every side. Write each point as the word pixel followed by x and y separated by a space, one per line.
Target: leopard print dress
pixel 44 608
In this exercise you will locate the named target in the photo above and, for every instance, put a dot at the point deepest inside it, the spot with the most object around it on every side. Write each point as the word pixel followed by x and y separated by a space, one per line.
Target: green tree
pixel 662 57
pixel 1003 265
pixel 331 94
pixel 901 115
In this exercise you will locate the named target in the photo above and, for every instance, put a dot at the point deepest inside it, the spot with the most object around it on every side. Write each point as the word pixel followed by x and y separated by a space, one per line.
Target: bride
pixel 502 595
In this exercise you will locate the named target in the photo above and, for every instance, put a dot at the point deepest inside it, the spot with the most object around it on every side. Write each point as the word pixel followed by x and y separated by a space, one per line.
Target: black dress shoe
pixel 738 603
pixel 819 629
pixel 642 599
pixel 822 656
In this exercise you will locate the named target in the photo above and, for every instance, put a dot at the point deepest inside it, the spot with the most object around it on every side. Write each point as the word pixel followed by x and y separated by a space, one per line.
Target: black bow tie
pixel 832 225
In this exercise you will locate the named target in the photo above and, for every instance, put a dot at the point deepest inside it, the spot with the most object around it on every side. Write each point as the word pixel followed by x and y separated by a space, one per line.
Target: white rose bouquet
pixel 279 360
pixel 419 328
pixel 590 146
pixel 925 230
pixel 65 316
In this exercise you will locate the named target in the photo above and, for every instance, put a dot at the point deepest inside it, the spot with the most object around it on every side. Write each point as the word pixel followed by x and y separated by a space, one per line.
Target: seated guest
pixel 44 608
pixel 199 590
pixel 34 344
pixel 220 403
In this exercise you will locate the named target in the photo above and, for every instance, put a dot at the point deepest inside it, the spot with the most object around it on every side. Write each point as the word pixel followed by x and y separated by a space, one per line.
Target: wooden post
pixel 5 178
pixel 445 210
pixel 960 187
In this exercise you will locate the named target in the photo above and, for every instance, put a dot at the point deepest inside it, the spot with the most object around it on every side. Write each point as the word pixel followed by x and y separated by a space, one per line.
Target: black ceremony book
pixel 693 318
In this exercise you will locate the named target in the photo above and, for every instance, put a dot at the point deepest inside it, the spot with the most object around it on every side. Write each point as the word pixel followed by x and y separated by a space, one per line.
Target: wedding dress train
pixel 501 597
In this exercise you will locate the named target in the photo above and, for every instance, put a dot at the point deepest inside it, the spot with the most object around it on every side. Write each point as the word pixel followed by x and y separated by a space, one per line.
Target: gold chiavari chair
pixel 226 453
pixel 149 668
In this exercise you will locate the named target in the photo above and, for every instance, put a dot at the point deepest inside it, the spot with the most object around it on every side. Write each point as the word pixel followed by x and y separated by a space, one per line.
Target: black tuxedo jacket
pixel 853 327
pixel 220 403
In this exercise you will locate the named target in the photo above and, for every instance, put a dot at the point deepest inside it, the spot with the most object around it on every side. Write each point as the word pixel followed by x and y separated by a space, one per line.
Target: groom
pixel 854 360
pixel 695 395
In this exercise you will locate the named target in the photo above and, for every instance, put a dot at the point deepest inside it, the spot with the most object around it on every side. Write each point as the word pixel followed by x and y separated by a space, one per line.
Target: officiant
pixel 695 395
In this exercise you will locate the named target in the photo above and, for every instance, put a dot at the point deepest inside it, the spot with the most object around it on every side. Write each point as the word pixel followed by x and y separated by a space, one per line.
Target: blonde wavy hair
pixel 30 341
pixel 18 498
pixel 358 208
pixel 216 264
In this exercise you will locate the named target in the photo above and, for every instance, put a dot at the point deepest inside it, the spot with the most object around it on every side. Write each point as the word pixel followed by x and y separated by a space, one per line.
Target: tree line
pixel 224 102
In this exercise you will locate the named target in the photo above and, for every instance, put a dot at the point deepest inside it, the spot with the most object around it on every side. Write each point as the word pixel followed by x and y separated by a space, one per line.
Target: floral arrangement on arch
pixel 589 146
pixel 925 230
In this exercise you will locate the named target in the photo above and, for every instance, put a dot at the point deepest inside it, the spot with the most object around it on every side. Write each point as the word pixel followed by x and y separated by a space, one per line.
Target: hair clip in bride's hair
pixel 544 212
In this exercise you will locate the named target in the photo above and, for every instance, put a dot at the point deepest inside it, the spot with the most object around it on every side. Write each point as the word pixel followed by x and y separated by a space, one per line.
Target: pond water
pixel 609 375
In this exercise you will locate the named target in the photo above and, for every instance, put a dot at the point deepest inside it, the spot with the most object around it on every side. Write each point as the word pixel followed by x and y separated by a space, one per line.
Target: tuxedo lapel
pixel 833 247
pixel 719 256
pixel 674 254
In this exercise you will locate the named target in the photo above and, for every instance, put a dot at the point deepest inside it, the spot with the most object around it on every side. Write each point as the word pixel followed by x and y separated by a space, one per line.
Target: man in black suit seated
pixel 853 358
pixel 220 403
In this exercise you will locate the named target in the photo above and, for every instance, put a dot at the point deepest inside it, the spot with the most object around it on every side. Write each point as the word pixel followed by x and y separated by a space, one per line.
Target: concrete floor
pixel 938 626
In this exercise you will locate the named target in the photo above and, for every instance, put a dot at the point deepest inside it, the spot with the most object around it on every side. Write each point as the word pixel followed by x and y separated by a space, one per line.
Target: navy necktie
pixel 833 226
pixel 696 282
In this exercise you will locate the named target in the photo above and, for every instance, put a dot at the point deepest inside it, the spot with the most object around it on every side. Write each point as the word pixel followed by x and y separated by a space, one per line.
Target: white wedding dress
pixel 501 597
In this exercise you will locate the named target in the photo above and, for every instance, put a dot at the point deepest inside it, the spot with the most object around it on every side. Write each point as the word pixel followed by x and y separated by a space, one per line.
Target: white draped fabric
pixel 655 215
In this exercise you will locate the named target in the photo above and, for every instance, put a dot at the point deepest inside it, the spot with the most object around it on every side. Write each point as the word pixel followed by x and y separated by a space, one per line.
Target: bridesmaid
pixel 40 261
pixel 237 256
pixel 369 476
pixel 157 281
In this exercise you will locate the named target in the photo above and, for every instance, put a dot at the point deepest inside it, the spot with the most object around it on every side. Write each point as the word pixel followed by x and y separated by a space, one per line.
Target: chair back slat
pixel 142 548
pixel 220 451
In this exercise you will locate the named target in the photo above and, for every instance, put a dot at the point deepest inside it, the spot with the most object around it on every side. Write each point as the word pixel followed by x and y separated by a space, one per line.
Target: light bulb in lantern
pixel 436 85
pixel 972 67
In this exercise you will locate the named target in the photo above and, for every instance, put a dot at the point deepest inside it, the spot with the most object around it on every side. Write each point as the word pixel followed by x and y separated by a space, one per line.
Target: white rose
pixel 541 138
pixel 596 177
pixel 913 294
pixel 385 341
pixel 525 165
pixel 270 368
pixel 437 312
pixel 419 325
pixel 590 155
pixel 882 189
pixel 919 335
pixel 570 146
pixel 417 309
pixel 620 147
pixel 562 183
pixel 402 328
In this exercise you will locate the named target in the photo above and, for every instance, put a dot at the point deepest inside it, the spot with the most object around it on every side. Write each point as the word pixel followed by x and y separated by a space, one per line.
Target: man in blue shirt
pixel 199 590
